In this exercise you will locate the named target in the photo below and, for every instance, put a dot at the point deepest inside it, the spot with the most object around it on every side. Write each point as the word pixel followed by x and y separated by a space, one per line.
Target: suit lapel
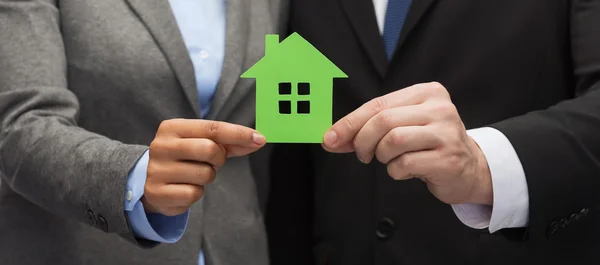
pixel 361 15
pixel 236 38
pixel 415 14
pixel 365 27
pixel 159 19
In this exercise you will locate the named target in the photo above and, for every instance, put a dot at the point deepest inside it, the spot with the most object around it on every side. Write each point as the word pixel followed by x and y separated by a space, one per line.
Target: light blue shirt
pixel 202 25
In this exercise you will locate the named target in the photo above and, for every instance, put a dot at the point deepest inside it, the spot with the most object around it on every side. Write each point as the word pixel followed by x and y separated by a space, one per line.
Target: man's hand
pixel 185 155
pixel 417 133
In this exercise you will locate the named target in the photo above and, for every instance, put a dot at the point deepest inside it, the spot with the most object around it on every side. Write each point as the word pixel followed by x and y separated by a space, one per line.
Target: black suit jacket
pixel 529 68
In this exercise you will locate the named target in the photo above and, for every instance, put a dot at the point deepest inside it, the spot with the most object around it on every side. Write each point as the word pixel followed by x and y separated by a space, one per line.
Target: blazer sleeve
pixel 559 147
pixel 45 156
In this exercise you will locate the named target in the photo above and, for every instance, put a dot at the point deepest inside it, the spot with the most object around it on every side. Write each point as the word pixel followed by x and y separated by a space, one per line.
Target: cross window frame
pixel 298 93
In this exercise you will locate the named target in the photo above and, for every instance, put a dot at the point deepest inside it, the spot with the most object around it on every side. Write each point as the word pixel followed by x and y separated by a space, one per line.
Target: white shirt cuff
pixel 511 197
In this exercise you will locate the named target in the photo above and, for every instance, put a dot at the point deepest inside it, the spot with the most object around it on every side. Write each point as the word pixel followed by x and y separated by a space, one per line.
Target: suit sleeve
pixel 559 147
pixel 45 156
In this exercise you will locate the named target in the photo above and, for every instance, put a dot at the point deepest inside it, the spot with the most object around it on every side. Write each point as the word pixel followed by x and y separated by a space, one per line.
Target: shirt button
pixel 129 195
pixel 203 55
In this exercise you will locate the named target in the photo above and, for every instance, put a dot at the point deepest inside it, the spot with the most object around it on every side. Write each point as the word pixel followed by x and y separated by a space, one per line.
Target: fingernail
pixel 363 160
pixel 258 139
pixel 330 138
pixel 360 159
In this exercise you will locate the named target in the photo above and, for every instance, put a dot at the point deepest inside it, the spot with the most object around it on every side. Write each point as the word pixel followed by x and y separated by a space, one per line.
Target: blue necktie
pixel 394 21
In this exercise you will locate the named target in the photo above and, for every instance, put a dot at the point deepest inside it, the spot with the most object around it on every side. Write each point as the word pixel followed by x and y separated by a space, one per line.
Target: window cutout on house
pixel 304 107
pixel 303 88
pixel 285 107
pixel 285 88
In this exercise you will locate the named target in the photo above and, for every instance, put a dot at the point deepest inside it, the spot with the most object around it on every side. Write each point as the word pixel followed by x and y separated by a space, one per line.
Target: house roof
pixel 291 59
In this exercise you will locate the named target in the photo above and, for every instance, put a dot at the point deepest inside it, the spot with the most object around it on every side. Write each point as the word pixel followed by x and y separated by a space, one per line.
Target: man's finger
pixel 220 132
pixel 187 172
pixel 382 123
pixel 413 164
pixel 172 199
pixel 403 140
pixel 347 148
pixel 181 195
pixel 344 130
pixel 235 150
pixel 200 150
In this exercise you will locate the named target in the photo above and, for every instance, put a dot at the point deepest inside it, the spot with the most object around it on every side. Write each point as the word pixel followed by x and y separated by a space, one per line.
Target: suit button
pixel 584 212
pixel 563 223
pixel 574 217
pixel 385 229
pixel 553 228
pixel 91 218
pixel 102 223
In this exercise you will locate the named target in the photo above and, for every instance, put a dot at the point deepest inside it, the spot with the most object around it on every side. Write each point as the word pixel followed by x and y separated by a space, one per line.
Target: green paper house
pixel 294 91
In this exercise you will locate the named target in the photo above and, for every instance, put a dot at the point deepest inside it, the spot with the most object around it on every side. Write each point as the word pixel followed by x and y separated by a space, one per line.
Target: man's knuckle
pixel 169 126
pixel 378 104
pixel 348 123
pixel 205 174
pixel 454 163
pixel 160 147
pixel 152 171
pixel 450 163
pixel 379 155
pixel 435 87
pixel 157 145
pixel 211 147
pixel 384 118
pixel 397 138
pixel 151 192
pixel 405 162
pixel 444 109
pixel 382 152
pixel 393 171
pixel 213 127
pixel 422 93
pixel 211 150
pixel 201 174
pixel 195 194
pixel 188 196
pixel 164 125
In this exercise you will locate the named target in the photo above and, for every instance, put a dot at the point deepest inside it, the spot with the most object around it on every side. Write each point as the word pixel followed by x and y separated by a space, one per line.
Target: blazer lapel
pixel 415 14
pixel 160 21
pixel 236 38
pixel 361 15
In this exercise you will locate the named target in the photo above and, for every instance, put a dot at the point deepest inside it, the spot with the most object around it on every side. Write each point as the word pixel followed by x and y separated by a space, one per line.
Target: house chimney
pixel 271 42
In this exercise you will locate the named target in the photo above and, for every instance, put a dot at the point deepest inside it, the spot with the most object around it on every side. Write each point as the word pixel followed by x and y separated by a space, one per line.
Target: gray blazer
pixel 84 85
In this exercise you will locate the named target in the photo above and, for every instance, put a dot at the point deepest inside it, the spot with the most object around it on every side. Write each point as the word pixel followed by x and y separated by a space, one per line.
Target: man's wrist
pixel 482 188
